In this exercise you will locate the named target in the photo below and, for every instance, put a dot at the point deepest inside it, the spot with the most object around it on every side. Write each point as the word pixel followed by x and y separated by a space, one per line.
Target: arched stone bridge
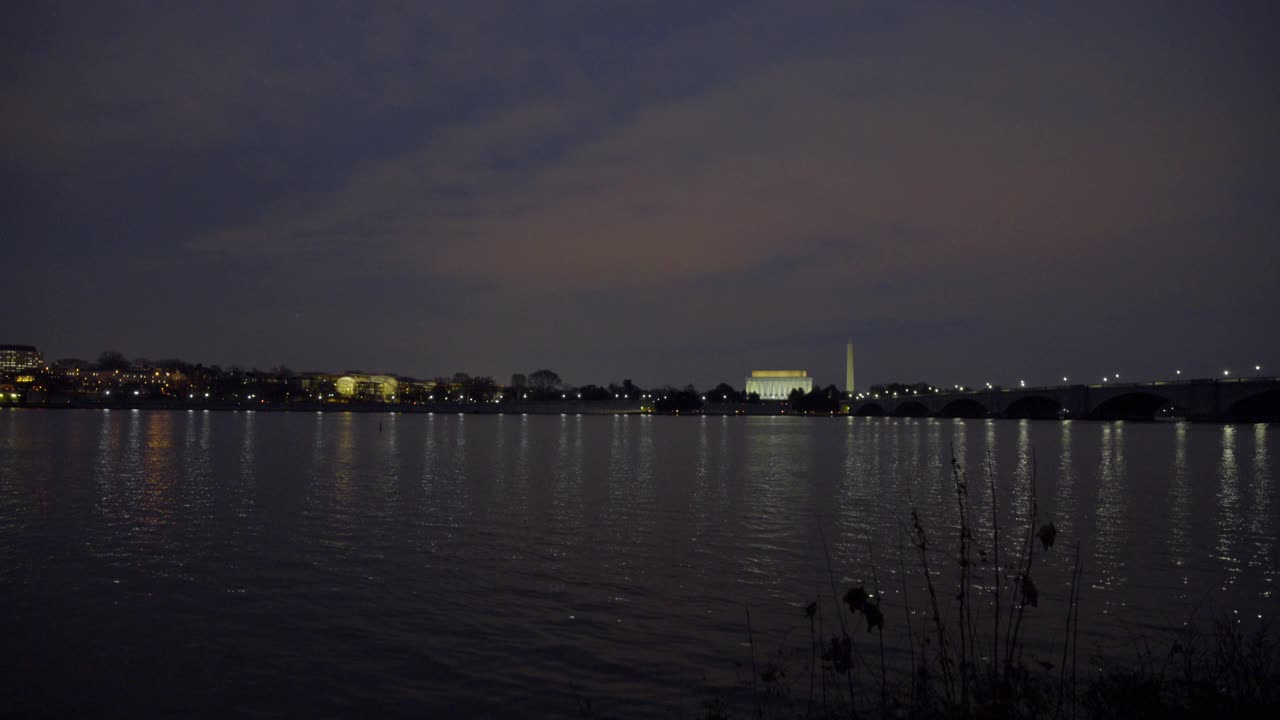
pixel 1229 399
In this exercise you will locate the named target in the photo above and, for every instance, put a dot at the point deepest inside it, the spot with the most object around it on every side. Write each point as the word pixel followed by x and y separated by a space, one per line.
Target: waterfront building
pixel 15 358
pixel 778 384
pixel 358 386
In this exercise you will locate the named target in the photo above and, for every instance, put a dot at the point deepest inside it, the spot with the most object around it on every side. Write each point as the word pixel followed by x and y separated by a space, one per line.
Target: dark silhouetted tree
pixel 480 389
pixel 678 401
pixel 544 380
pixel 724 393
pixel 818 400
pixel 594 393
pixel 112 360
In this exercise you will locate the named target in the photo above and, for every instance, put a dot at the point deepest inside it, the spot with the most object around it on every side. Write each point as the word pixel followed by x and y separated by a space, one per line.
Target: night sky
pixel 668 192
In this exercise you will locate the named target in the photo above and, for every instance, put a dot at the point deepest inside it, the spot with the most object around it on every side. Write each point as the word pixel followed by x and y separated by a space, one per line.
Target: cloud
pixel 988 148
pixel 584 179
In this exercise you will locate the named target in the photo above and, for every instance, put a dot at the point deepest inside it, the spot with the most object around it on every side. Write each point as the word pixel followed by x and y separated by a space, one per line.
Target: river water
pixel 206 563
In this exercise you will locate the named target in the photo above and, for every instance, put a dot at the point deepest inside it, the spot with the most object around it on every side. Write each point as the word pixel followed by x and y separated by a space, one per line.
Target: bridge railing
pixel 1240 379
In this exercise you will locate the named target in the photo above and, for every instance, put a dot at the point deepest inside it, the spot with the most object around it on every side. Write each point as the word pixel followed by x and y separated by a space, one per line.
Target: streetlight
pixel 1177 372
pixel 1022 383
pixel 1064 378
pixel 1226 373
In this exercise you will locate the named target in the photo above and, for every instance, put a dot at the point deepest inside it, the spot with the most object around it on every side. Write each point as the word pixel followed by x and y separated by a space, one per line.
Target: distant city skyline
pixel 811 380
pixel 669 191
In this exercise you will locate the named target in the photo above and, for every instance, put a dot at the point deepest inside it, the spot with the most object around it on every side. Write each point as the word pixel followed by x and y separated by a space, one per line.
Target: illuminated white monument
pixel 778 384
pixel 848 367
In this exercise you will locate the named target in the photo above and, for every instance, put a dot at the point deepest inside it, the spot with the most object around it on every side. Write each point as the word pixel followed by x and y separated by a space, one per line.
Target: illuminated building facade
pixel 15 358
pixel 848 367
pixel 778 384
pixel 367 387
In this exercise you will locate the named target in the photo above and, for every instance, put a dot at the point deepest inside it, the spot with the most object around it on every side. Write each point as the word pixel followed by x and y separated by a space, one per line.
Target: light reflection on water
pixel 1110 520
pixel 1179 536
pixel 1228 516
pixel 464 563
pixel 1065 483
pixel 1262 547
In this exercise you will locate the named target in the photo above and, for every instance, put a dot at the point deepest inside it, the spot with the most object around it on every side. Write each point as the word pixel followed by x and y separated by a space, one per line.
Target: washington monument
pixel 848 367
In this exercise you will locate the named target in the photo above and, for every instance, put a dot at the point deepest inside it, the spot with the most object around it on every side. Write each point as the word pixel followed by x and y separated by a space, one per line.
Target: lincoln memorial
pixel 778 384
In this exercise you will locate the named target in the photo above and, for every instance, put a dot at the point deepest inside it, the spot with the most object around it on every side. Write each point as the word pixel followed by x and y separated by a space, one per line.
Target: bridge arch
pixel 1137 405
pixel 1260 407
pixel 964 408
pixel 911 408
pixel 1034 407
pixel 869 410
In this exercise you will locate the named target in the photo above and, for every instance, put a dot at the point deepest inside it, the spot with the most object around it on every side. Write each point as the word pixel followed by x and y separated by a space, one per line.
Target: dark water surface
pixel 201 563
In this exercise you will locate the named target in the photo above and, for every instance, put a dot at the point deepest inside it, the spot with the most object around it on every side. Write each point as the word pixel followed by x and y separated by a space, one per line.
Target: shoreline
pixel 553 409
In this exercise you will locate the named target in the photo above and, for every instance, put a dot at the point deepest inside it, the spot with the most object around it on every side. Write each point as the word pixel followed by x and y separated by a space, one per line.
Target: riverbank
pixel 760 409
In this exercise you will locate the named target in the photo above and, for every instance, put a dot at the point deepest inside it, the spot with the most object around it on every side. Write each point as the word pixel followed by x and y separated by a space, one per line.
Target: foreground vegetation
pixel 970 658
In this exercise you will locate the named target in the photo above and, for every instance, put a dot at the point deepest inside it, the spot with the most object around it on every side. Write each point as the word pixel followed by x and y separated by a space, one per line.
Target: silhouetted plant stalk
pixel 884 677
pixel 971 683
pixel 996 588
pixel 810 612
pixel 944 657
pixel 1068 638
pixel 842 649
pixel 755 672
pixel 906 607
pixel 1025 589
pixel 965 615
pixel 961 666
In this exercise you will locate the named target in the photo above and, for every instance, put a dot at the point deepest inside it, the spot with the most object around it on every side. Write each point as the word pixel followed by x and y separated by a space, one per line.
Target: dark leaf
pixel 811 610
pixel 1046 534
pixel 856 598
